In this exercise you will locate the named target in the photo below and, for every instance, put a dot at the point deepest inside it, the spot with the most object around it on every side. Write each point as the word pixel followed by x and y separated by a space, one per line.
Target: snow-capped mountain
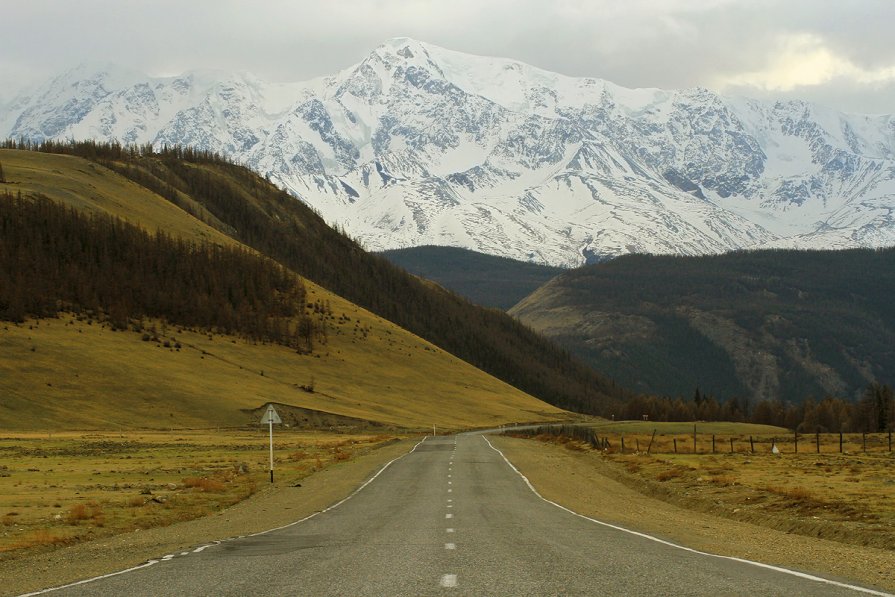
pixel 422 145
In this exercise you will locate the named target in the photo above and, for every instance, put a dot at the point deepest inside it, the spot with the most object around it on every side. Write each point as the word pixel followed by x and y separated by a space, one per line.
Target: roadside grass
pixel 64 488
pixel 847 497
pixel 77 373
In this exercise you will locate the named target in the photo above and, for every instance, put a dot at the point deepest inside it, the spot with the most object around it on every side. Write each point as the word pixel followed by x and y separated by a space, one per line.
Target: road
pixel 450 518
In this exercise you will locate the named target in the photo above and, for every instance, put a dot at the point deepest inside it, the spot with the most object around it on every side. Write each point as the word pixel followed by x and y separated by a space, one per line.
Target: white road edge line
pixel 201 548
pixel 689 549
pixel 84 582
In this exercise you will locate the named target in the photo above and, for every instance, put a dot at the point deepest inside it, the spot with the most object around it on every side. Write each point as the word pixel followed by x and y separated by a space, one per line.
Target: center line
pixel 450 546
pixel 448 515
pixel 449 530
pixel 449 580
pixel 450 490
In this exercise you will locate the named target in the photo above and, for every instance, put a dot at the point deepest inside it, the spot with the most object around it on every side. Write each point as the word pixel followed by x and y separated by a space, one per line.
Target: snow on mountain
pixel 422 145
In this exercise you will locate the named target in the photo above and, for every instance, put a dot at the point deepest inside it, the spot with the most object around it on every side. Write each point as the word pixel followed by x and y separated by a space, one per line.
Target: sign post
pixel 270 417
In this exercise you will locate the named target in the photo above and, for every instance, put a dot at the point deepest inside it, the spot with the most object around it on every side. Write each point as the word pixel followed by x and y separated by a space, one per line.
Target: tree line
pixel 874 412
pixel 55 259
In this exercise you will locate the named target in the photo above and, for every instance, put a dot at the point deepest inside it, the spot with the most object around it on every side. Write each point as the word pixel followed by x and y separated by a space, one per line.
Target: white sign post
pixel 270 417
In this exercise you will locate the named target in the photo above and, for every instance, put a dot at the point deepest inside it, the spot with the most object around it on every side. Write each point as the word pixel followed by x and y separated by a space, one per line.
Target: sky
pixel 839 53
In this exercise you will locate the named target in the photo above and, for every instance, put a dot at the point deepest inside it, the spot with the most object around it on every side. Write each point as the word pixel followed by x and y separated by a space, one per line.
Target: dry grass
pixel 844 497
pixel 65 488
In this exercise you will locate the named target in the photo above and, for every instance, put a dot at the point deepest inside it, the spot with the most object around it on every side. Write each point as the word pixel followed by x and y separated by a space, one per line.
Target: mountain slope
pixel 757 325
pixel 419 145
pixel 485 280
pixel 251 208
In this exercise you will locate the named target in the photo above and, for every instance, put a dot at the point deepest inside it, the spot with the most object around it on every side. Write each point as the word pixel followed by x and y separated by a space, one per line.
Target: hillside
pixel 485 280
pixel 756 325
pixel 366 369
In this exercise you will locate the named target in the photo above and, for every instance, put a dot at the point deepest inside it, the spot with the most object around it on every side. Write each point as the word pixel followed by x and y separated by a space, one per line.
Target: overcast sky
pixel 839 53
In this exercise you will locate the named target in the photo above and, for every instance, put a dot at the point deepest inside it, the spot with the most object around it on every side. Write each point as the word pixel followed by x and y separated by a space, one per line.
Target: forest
pixel 55 259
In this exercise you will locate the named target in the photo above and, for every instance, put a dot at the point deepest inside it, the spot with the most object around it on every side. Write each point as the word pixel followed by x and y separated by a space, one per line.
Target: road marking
pixel 449 580
pixel 450 546
pixel 167 557
pixel 449 530
pixel 450 483
pixel 149 563
pixel 450 500
pixel 450 490
pixel 689 549
pixel 450 505
pixel 448 515
pixel 449 476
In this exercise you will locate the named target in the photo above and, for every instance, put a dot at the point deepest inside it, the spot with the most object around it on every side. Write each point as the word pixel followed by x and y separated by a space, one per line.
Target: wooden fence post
pixel 751 445
pixel 796 440
pixel 623 443
pixel 840 442
pixel 817 441
pixel 637 440
pixel 864 441
pixel 650 447
pixel 713 443
pixel 731 445
pixel 675 445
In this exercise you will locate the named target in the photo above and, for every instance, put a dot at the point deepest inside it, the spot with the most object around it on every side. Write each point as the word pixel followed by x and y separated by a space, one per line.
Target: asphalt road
pixel 450 518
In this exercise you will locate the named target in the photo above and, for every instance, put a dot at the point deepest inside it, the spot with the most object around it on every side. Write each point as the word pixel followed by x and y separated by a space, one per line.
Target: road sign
pixel 271 416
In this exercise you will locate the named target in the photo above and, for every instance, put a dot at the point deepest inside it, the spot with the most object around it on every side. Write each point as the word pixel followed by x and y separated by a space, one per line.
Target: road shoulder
pixel 579 481
pixel 270 508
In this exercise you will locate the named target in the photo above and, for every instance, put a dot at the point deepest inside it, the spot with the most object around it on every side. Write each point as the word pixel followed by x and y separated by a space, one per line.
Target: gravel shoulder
pixel 581 481
pixel 274 506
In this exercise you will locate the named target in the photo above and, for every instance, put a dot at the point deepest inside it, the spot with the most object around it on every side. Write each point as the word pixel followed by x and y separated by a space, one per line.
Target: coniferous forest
pixel 54 259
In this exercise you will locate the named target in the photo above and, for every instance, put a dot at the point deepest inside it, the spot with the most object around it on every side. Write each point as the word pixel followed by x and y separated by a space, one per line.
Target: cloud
pixel 805 60
pixel 754 47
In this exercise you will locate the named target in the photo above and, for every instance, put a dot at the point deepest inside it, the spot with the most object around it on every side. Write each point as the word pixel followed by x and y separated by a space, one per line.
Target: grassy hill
pixel 78 372
pixel 483 279
pixel 236 202
pixel 758 325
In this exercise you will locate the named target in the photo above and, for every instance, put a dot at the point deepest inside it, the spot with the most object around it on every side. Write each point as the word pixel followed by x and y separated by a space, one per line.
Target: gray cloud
pixel 637 43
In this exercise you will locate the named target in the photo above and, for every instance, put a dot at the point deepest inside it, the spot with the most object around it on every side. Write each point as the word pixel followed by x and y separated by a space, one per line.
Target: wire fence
pixel 711 443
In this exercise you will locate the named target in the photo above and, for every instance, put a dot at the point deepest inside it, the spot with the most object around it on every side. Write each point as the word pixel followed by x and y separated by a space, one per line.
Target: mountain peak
pixel 419 144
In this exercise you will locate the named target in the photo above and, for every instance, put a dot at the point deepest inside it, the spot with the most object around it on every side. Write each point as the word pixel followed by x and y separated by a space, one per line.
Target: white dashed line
pixel 450 546
pixel 449 580
pixel 449 530
pixel 450 505
pixel 450 483
pixel 448 515
pixel 167 557
pixel 450 490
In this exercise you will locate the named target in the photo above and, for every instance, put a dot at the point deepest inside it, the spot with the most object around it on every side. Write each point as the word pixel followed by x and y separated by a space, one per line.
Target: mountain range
pixel 420 145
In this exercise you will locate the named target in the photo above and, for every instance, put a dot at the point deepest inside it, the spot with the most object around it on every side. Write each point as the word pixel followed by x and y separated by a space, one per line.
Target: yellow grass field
pixel 847 497
pixel 62 488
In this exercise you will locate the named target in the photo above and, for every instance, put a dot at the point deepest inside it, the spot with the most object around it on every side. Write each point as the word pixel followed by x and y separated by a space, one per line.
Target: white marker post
pixel 270 417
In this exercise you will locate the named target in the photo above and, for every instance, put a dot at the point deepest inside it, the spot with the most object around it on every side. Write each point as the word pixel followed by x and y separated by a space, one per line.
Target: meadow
pixel 842 496
pixel 59 489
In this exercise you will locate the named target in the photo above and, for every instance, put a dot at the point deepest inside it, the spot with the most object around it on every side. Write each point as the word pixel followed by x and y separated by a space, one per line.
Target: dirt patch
pixel 272 506
pixel 585 482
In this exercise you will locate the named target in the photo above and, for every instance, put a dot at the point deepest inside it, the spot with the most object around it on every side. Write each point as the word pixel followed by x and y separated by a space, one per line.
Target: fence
pixel 709 443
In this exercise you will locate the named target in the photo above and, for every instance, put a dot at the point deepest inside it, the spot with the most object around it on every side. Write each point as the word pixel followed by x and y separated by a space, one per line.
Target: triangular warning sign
pixel 271 416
